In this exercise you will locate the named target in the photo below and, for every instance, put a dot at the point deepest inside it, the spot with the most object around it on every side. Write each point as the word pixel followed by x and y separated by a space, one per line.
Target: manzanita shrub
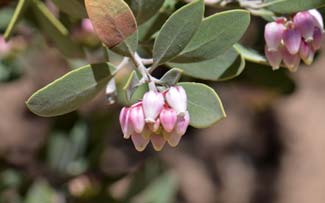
pixel 175 36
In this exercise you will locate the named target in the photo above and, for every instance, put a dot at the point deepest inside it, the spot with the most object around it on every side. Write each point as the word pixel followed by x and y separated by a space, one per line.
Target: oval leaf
pixel 70 91
pixel 178 30
pixel 223 67
pixel 291 6
pixel 113 20
pixel 250 54
pixel 144 9
pixel 172 76
pixel 204 105
pixel 216 34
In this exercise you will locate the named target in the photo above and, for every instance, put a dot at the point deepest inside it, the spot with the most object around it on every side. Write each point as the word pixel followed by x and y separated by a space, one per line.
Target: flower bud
pixel 177 99
pixel 137 117
pixel 125 123
pixel 318 18
pixel 152 103
pixel 4 46
pixel 87 25
pixel 140 143
pixel 318 35
pixel 306 53
pixel 182 124
pixel 304 22
pixel 168 118
pixel 158 142
pixel 274 58
pixel 292 40
pixel 292 61
pixel 273 35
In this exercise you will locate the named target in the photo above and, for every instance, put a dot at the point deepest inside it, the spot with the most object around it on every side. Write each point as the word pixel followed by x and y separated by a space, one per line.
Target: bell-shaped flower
pixel 292 40
pixel 318 18
pixel 306 53
pixel 174 139
pixel 177 99
pixel 125 123
pixel 292 61
pixel 140 143
pixel 168 118
pixel 274 57
pixel 136 117
pixel 304 22
pixel 273 35
pixel 158 142
pixel 152 103
pixel 182 124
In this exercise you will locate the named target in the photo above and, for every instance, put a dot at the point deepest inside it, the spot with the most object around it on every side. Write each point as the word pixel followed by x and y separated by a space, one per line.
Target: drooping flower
pixel 305 23
pixel 273 35
pixel 155 120
pixel 153 102
pixel 177 99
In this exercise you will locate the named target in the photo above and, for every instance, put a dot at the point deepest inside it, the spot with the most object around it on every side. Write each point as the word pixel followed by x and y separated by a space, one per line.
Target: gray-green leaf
pixel 204 105
pixel 223 67
pixel 70 91
pixel 216 34
pixel 74 8
pixel 143 10
pixel 178 30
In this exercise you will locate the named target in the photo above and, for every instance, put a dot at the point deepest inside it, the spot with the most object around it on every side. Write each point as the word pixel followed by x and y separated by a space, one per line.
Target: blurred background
pixel 269 149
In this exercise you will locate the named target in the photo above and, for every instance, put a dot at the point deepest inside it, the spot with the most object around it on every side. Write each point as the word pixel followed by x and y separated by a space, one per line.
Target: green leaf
pixel 250 54
pixel 223 67
pixel 41 191
pixel 172 76
pixel 178 30
pixel 216 35
pixel 292 6
pixel 70 91
pixel 19 11
pixel 204 105
pixel 144 9
pixel 113 20
pixel 152 26
pixel 55 30
pixel 74 8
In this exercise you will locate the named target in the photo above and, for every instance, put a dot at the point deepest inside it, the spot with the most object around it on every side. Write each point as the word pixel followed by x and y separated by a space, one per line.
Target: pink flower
pixel 153 102
pixel 305 23
pixel 292 61
pixel 177 99
pixel 318 18
pixel 154 120
pixel 273 35
pixel 292 40
pixel 318 35
pixel 5 47
pixel 137 117
pixel 274 57
pixel 306 53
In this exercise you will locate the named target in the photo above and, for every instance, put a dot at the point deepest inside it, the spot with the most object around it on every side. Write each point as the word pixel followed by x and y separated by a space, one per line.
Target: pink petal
pixel 158 142
pixel 140 143
pixel 318 18
pixel 182 124
pixel 273 35
pixel 177 99
pixel 290 60
pixel 125 123
pixel 306 53
pixel 274 58
pixel 304 22
pixel 152 102
pixel 137 118
pixel 168 118
pixel 292 40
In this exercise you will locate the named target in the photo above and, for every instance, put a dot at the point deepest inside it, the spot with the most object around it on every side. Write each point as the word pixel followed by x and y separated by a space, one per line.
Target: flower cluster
pixel 159 118
pixel 295 39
